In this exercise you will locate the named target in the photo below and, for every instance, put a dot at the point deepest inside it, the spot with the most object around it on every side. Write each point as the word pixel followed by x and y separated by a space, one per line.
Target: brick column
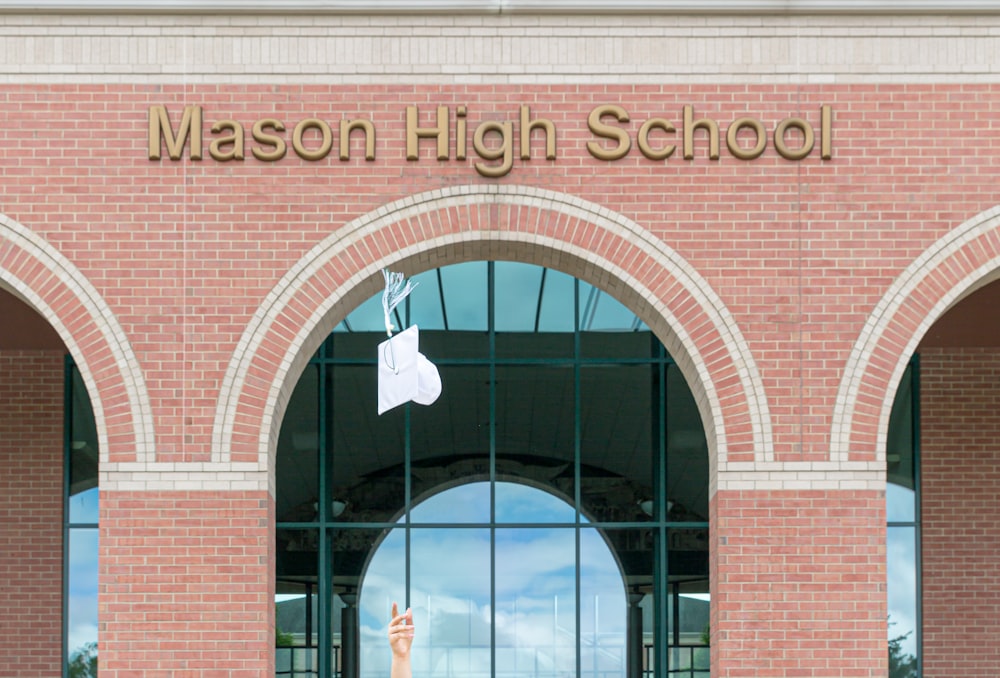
pixel 187 585
pixel 798 584
pixel 31 489
pixel 960 426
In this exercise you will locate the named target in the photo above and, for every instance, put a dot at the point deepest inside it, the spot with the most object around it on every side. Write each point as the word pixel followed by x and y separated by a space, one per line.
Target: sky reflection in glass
pixel 82 589
pixel 557 303
pixel 425 301
pixel 524 582
pixel 465 296
pixel 368 317
pixel 902 494
pixel 528 298
pixel 902 592
pixel 84 506
pixel 517 289
pixel 536 600
pixel 469 503
pixel 518 503
pixel 900 503
pixel 600 311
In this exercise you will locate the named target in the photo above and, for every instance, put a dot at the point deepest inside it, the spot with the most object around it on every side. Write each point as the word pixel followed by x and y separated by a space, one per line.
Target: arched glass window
pixel 512 588
pixel 80 530
pixel 547 516
pixel 903 528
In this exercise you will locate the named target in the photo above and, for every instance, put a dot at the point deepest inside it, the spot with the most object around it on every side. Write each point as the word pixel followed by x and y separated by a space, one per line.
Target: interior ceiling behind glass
pixel 534 310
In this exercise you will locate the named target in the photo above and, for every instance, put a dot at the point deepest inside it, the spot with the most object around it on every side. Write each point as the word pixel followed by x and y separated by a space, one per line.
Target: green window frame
pixel 498 332
pixel 903 568
pixel 80 529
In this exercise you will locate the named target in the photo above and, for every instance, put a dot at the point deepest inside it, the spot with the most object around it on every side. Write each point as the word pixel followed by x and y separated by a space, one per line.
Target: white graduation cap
pixel 404 373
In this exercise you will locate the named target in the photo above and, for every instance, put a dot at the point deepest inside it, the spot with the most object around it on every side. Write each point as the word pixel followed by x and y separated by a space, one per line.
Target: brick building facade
pixel 848 221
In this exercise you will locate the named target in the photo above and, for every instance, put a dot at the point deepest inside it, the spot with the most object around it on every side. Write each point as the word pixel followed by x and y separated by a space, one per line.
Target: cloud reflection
pixel 82 588
pixel 902 585
pixel 531 592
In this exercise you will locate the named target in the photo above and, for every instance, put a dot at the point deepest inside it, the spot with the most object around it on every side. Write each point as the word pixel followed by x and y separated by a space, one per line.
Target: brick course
pixel 798 584
pixel 778 240
pixel 31 513
pixel 187 585
pixel 797 253
pixel 960 465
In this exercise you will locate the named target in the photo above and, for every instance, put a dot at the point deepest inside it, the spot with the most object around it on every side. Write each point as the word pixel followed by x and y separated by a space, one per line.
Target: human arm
pixel 400 640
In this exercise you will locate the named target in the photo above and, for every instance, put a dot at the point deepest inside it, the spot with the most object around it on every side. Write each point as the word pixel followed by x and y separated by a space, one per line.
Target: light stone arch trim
pixel 957 264
pixel 665 277
pixel 37 273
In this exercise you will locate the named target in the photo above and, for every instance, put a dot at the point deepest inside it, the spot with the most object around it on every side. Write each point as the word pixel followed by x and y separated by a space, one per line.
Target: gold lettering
pixel 794 138
pixel 598 128
pixel 260 135
pixel 544 124
pixel 643 140
pixel 505 150
pixel 808 138
pixel 460 133
pixel 732 138
pixel 826 132
pixel 690 125
pixel 346 127
pixel 326 134
pixel 160 129
pixel 235 139
pixel 415 133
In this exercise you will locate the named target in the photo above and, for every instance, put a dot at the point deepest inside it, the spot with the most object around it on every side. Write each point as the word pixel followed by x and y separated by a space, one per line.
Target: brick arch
pixel 35 272
pixel 492 222
pixel 955 266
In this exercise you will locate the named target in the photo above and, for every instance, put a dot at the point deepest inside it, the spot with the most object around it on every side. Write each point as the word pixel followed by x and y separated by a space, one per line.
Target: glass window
pixel 466 299
pixel 536 517
pixel 903 531
pixel 428 303
pixel 82 504
pixel 557 304
pixel 903 621
pixel 469 503
pixel 899 454
pixel 687 453
pixel 518 296
pixel 81 603
pixel 620 412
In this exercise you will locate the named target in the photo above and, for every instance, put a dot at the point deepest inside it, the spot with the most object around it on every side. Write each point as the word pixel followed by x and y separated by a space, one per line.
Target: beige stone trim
pixel 802 476
pixel 670 331
pixel 566 7
pixel 881 319
pixel 42 252
pixel 166 477
pixel 506 49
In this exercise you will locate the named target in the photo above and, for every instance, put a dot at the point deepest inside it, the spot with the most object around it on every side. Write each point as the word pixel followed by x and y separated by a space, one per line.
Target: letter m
pixel 160 130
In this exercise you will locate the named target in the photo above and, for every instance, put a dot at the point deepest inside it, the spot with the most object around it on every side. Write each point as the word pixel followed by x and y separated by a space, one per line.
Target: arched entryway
pixel 918 401
pixel 72 400
pixel 563 475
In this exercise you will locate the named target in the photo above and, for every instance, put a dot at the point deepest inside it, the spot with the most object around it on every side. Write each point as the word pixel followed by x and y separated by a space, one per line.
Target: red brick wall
pixel 960 462
pixel 187 586
pixel 799 252
pixel 31 489
pixel 798 584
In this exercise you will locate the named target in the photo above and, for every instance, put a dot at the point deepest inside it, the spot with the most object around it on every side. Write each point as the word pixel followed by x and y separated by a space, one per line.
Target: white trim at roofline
pixel 567 7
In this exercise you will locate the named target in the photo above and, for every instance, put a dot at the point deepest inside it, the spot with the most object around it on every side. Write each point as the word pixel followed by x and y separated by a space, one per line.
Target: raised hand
pixel 401 632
